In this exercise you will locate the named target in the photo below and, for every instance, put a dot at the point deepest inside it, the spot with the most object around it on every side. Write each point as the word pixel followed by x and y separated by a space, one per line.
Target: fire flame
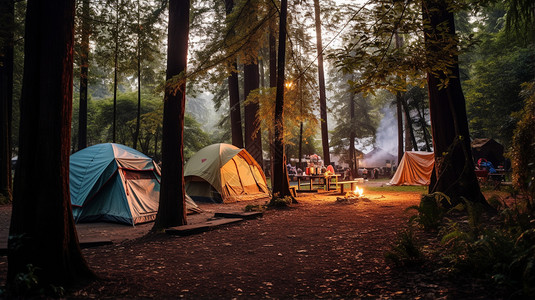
pixel 358 191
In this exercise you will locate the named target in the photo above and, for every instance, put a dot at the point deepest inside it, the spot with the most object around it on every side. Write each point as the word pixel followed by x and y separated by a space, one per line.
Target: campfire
pixel 358 192
pixel 353 196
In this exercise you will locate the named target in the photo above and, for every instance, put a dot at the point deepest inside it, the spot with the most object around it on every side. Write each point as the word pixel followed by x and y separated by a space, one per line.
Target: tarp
pixel 414 169
pixel 224 173
pixel 114 183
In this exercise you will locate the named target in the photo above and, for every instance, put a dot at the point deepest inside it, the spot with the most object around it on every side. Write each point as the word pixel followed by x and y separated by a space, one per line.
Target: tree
pixel 42 236
pixel 251 82
pixel 253 136
pixel 84 66
pixel 279 184
pixel 454 168
pixel 172 208
pixel 234 93
pixel 357 118
pixel 7 15
pixel 494 71
pixel 321 82
pixel 147 43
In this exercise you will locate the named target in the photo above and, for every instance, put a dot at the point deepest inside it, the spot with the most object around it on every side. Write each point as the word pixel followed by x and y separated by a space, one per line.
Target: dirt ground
pixel 319 248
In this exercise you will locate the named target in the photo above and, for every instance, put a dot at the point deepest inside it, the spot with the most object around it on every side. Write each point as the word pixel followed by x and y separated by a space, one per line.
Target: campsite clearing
pixel 316 249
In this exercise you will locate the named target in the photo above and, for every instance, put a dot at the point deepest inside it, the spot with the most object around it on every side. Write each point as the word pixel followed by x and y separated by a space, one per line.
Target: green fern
pixel 430 210
pixel 405 251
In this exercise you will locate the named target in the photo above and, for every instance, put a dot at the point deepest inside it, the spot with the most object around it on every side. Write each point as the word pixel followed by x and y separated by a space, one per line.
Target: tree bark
pixel 7 14
pixel 423 124
pixel 115 70
pixel 172 209
pixel 272 41
pixel 400 126
pixel 321 82
pixel 454 168
pixel 234 95
pixel 352 154
pixel 280 182
pixel 410 138
pixel 84 71
pixel 138 114
pixel 42 231
pixel 253 136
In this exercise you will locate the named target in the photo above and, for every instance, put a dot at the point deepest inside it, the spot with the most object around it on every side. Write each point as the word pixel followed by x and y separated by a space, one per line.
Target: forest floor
pixel 318 248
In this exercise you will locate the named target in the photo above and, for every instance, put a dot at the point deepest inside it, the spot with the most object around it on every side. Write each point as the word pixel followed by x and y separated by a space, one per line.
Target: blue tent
pixel 114 183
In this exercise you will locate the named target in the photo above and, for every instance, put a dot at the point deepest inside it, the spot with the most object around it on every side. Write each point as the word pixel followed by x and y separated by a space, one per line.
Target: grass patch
pixel 257 207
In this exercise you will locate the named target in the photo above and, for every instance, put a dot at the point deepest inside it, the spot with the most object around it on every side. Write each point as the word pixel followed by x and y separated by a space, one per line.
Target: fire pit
pixel 352 196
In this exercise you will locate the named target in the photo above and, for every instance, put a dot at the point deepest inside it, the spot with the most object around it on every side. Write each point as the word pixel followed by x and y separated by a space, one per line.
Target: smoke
pixel 387 132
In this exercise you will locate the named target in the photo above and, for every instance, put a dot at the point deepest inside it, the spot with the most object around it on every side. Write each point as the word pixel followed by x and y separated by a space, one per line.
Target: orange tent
pixel 414 169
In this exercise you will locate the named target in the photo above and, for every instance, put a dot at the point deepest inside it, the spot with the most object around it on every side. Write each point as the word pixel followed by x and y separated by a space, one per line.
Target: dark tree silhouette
pixel 234 94
pixel 7 11
pixel 42 232
pixel 279 180
pixel 253 135
pixel 454 168
pixel 84 70
pixel 321 82
pixel 172 211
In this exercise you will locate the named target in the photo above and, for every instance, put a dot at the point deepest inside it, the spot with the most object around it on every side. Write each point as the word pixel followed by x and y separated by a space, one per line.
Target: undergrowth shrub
pixel 405 251
pixel 430 211
pixel 503 252
pixel 280 202
pixel 523 148
pixel 254 207
pixel 499 249
pixel 27 285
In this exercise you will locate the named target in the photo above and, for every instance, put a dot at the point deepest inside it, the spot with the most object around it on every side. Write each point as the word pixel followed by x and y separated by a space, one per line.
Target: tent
pixel 414 169
pixel 224 173
pixel 488 149
pixel 115 183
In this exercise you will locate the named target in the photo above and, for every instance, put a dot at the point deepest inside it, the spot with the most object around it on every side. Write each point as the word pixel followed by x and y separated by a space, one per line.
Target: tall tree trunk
pixel 400 126
pixel 116 66
pixel 234 95
pixel 42 231
pixel 272 41
pixel 423 124
pixel 321 82
pixel 138 115
pixel 352 154
pixel 454 168
pixel 262 73
pixel 410 138
pixel 84 71
pixel 280 183
pixel 408 132
pixel 172 208
pixel 399 98
pixel 300 154
pixel 253 136
pixel 7 14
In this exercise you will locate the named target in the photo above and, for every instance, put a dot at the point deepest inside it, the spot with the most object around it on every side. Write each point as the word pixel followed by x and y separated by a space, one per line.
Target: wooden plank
pixel 239 214
pixel 89 243
pixel 186 230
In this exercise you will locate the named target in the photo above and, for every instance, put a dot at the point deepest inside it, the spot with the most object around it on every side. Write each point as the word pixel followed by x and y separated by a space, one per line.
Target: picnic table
pixel 319 179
